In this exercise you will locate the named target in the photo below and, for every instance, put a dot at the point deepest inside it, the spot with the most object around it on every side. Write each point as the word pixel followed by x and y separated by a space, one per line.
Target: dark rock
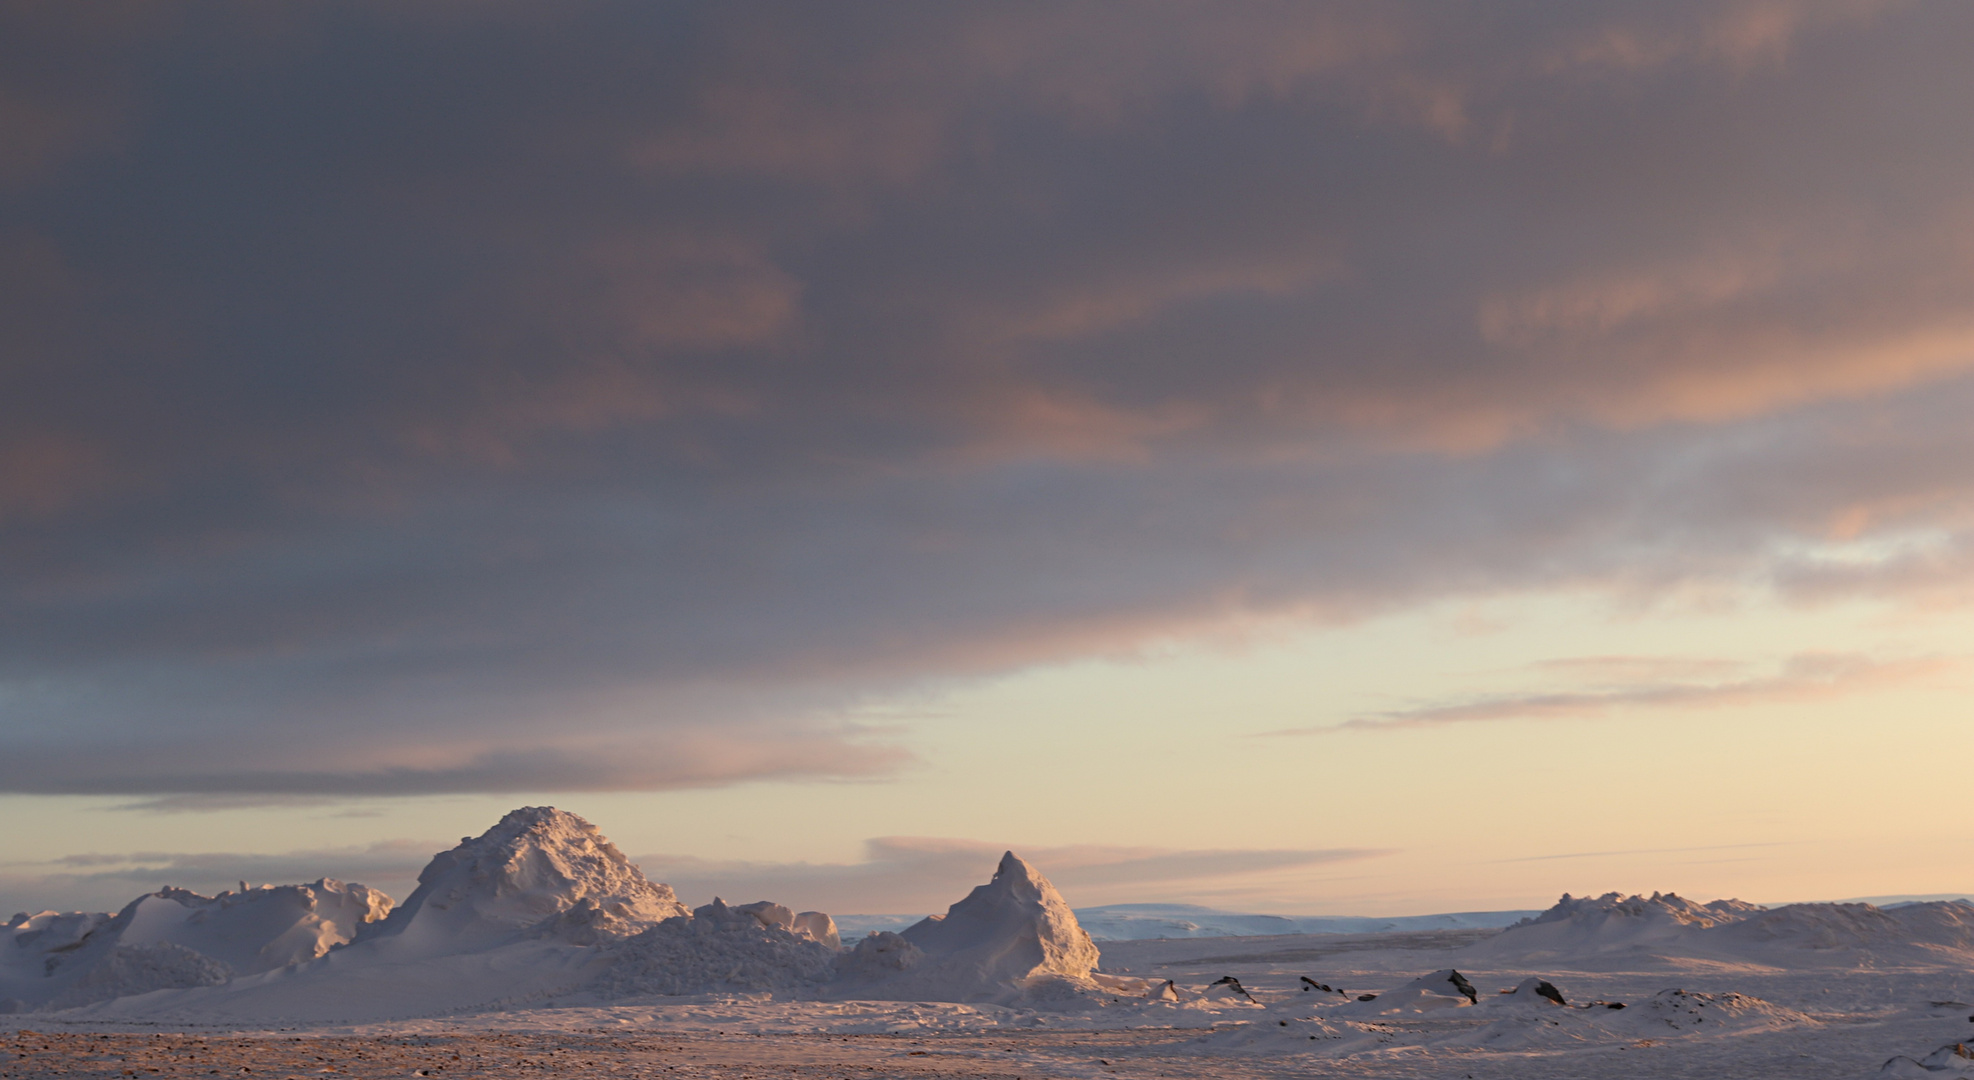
pixel 1461 984
pixel 1367 997
pixel 1233 986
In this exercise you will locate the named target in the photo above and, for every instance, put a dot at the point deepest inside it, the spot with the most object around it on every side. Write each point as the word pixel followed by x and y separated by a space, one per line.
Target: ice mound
pixel 1953 1059
pixel 1014 937
pixel 1532 992
pixel 719 948
pixel 1444 989
pixel 540 871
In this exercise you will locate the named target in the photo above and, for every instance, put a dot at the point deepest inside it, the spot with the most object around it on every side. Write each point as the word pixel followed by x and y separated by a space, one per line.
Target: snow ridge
pixel 1658 906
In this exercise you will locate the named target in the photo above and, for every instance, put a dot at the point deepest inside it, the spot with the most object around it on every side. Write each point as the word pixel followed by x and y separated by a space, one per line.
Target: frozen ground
pixel 1826 1020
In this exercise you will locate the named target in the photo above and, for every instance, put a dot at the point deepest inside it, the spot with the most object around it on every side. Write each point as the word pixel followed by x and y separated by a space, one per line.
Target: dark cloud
pixel 897 875
pixel 665 377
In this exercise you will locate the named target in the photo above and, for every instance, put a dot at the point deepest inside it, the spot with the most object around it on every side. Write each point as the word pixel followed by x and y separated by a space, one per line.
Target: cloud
pixel 617 396
pixel 1800 678
pixel 898 874
pixel 916 875
pixel 179 775
pixel 107 881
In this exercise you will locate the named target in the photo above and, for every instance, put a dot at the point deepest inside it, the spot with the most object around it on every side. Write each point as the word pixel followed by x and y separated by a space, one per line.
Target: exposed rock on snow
pixel 1533 991
pixel 1444 989
pixel 1226 986
pixel 540 871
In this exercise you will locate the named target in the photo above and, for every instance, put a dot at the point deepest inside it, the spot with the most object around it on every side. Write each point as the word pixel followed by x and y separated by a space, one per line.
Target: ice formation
pixel 540 871
pixel 253 930
pixel 1012 937
pixel 177 938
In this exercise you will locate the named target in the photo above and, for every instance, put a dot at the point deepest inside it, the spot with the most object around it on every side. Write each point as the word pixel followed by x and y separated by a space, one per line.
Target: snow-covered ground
pixel 540 929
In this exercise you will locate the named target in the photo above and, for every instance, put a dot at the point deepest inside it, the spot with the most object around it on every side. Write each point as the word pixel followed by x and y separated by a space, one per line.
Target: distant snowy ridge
pixel 539 908
pixel 1137 922
pixel 1670 926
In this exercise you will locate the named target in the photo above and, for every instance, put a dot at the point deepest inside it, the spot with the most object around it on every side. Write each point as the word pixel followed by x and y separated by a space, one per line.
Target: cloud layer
pixel 898 875
pixel 500 397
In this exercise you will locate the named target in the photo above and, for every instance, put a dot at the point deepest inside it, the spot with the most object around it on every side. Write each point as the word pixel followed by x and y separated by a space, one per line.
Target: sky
pixel 1318 458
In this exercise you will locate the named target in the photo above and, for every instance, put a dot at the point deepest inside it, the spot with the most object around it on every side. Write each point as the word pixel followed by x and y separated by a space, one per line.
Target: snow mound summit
pixel 540 871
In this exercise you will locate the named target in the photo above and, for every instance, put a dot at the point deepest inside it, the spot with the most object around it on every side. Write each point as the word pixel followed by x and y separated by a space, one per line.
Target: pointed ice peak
pixel 1013 928
pixel 1016 874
